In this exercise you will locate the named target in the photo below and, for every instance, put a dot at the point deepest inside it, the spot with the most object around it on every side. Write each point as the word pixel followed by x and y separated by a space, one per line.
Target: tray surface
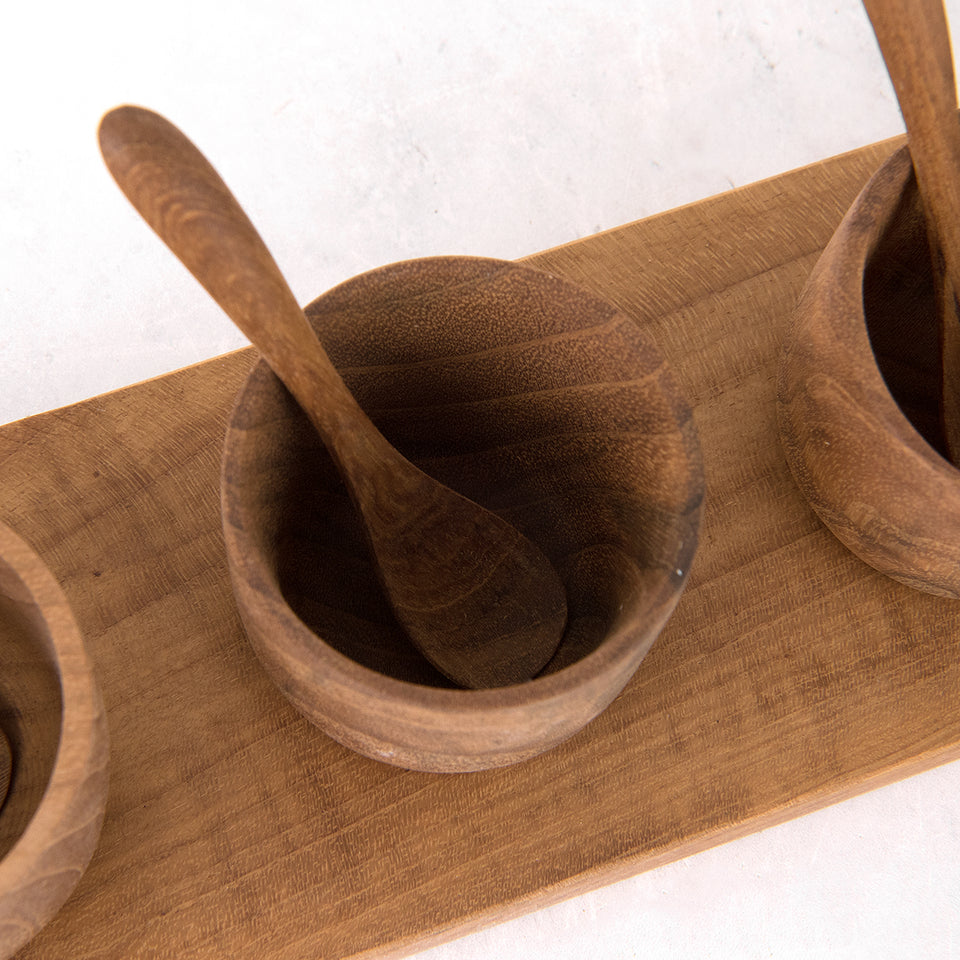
pixel 791 675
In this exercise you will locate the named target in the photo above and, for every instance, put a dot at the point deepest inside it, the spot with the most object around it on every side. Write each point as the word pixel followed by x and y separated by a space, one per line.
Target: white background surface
pixel 360 133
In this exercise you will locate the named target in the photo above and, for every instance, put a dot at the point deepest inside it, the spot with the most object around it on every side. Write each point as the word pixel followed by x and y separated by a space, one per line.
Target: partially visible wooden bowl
pixel 52 717
pixel 522 392
pixel 858 392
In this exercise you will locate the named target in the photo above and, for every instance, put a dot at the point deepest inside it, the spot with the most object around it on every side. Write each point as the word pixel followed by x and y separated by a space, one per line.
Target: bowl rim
pixel 822 369
pixel 617 650
pixel 614 654
pixel 872 209
pixel 83 742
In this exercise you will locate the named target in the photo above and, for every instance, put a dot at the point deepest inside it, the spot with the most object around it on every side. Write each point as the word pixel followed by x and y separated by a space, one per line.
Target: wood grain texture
pixel 857 398
pixel 6 761
pixel 790 675
pixel 54 735
pixel 914 39
pixel 480 601
pixel 529 396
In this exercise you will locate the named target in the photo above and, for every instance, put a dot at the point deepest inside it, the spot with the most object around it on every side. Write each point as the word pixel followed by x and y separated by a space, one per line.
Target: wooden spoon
pixel 479 600
pixel 915 42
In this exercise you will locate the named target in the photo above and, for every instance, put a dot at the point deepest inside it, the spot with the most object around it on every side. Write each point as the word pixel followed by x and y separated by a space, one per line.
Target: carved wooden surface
pixel 914 38
pixel 55 739
pixel 528 395
pixel 480 601
pixel 866 331
pixel 5 761
pixel 791 674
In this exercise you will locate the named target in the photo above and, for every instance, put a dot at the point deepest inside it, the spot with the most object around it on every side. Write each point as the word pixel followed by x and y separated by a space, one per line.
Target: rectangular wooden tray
pixel 790 676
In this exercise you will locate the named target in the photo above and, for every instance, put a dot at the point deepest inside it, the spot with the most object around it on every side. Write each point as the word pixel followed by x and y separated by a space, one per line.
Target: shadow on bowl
pixel 525 394
pixel 900 312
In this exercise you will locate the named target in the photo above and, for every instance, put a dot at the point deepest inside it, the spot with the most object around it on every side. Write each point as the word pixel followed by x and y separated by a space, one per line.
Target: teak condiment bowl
pixel 52 717
pixel 858 391
pixel 524 393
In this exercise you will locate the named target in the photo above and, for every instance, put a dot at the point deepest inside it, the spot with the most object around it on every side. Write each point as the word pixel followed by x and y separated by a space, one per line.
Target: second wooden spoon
pixel 479 600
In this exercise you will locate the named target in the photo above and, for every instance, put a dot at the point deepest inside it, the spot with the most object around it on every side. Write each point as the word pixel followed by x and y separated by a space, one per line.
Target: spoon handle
pixel 914 39
pixel 480 600
pixel 180 195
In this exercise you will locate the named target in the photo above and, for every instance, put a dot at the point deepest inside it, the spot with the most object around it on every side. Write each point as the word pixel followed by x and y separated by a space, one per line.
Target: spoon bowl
pixel 526 394
pixel 53 727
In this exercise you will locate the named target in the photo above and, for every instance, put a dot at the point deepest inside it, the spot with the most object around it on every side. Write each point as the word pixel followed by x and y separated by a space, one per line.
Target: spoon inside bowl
pixel 478 599
pixel 915 42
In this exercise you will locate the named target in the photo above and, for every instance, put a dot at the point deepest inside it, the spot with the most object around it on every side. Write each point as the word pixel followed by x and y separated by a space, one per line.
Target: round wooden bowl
pixel 858 401
pixel 52 718
pixel 522 392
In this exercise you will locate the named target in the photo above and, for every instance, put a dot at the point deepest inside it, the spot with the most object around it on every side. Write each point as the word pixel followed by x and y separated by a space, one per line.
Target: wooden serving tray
pixel 790 676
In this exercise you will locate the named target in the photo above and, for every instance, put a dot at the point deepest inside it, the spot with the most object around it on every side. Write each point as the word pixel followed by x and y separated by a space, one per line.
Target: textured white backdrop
pixel 360 133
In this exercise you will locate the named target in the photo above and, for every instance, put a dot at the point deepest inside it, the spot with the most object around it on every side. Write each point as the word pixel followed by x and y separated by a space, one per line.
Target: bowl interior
pixel 31 706
pixel 899 303
pixel 858 393
pixel 6 760
pixel 52 719
pixel 520 391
